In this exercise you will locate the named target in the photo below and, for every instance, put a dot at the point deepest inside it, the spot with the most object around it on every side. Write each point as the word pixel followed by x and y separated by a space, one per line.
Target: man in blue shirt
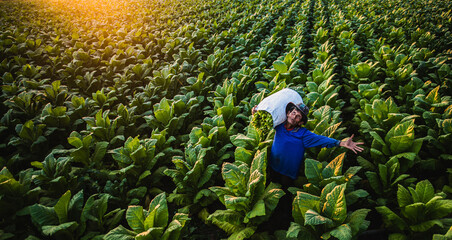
pixel 291 140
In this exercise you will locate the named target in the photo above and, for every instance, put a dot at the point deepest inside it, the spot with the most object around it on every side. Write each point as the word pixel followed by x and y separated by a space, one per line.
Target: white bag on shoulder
pixel 276 103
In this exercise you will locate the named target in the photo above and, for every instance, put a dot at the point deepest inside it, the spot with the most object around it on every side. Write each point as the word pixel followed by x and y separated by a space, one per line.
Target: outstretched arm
pixel 348 143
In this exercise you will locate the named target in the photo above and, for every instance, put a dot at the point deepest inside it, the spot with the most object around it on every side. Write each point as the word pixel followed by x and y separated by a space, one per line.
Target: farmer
pixel 290 141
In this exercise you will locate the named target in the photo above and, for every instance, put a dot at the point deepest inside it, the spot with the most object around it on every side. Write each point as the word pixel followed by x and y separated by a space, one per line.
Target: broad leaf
pixel 425 191
pixel 242 234
pixel 135 218
pixel 314 218
pixel 160 205
pixel 391 219
pixel 334 168
pixel 120 233
pixel 51 230
pixel 61 207
pixel 404 197
pixel 313 171
pixel 343 232
pixel 335 207
pixel 228 220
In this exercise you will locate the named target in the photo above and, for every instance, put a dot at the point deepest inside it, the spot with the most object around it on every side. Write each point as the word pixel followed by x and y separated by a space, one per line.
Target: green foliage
pixel 263 122
pixel 421 210
pixel 322 91
pixel 398 143
pixel 213 133
pixel 247 145
pixel 103 129
pixel 320 174
pixel 285 72
pixel 225 107
pixel 324 121
pixel 193 175
pixel 71 218
pixel 247 199
pixel 15 194
pixel 137 161
pixel 326 216
pixel 150 224
pixel 54 175
pixel 384 178
pixel 105 96
pixel 83 147
pixel 174 115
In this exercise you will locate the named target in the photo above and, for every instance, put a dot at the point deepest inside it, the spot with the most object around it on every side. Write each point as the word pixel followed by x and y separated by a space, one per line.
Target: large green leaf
pixel 401 137
pixel 415 212
pixel 150 219
pixel 294 230
pixel 76 203
pixel 159 204
pixel 374 181
pixel 236 203
pixel 313 171
pixel 335 206
pixel 243 141
pixel 259 162
pixel 228 220
pixel 271 196
pixel 357 221
pixel 403 196
pixel 243 155
pixel 391 219
pixel 257 210
pixel 43 215
pixel 314 218
pixel 244 233
pixel 162 116
pixel 151 233
pixel 438 208
pixel 280 66
pixel 51 230
pixel 343 232
pixel 120 233
pixel 234 178
pixel 175 227
pixel 334 168
pixel 207 174
pixel 61 207
pixel 425 191
pixel 299 231
pixel 135 218
pixel 256 185
pixel 425 226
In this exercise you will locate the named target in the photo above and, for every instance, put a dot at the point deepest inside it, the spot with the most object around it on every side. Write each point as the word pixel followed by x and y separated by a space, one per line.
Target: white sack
pixel 276 103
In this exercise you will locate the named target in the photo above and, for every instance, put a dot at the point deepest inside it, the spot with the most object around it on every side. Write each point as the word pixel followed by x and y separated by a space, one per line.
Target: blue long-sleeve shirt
pixel 288 148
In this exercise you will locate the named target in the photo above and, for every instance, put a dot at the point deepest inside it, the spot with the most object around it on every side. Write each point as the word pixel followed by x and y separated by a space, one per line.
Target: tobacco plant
pixel 319 174
pixel 247 198
pixel 326 216
pixel 71 218
pixel 422 211
pixel 194 173
pixel 151 223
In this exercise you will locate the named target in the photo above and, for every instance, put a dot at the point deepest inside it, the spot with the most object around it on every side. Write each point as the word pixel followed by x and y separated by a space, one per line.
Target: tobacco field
pixel 131 119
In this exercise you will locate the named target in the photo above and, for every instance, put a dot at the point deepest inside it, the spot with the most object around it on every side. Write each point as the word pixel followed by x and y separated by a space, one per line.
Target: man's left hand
pixel 352 145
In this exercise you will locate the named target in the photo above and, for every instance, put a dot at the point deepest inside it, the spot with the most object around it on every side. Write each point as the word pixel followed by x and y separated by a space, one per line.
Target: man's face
pixel 294 117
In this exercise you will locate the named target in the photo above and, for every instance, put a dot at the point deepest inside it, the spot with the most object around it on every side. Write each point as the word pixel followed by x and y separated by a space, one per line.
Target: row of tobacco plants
pixel 130 119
